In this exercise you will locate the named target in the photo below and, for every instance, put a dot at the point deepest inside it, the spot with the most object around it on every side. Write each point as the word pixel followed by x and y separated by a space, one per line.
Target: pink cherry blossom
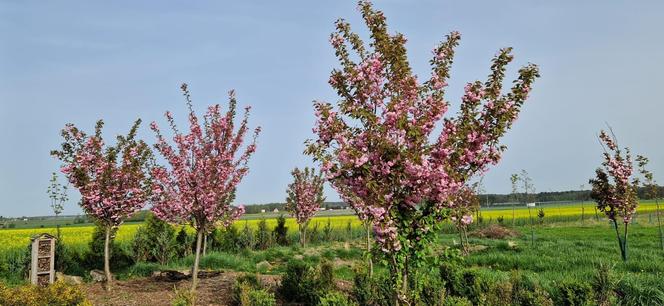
pixel 305 197
pixel 204 168
pixel 377 146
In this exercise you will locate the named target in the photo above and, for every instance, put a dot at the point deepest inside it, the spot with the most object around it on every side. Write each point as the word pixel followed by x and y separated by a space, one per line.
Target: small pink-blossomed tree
pixel 305 197
pixel 462 206
pixel 377 145
pixel 205 167
pixel 612 189
pixel 114 181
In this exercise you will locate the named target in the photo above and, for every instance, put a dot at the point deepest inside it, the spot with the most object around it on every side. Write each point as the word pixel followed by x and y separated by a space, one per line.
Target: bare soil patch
pixel 214 290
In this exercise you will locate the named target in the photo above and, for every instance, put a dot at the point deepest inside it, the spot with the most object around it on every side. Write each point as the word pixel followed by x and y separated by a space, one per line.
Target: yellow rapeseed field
pixel 79 236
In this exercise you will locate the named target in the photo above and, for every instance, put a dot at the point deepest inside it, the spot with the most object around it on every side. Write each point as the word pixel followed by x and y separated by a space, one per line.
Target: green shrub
pixel 247 291
pixel 143 269
pixel 154 241
pixel 462 282
pixel 261 297
pixel 183 243
pixel 527 292
pixel 327 231
pixel 246 237
pixel 429 290
pixel 372 291
pixel 243 285
pixel 70 261
pixel 15 264
pixel 327 273
pixel 603 285
pixel 451 276
pixel 335 298
pixel 573 293
pixel 263 237
pixel 57 293
pixel 499 294
pixel 457 301
pixel 94 259
pixel 281 231
pixel 184 298
pixel 631 293
pixel 302 283
pixel 227 240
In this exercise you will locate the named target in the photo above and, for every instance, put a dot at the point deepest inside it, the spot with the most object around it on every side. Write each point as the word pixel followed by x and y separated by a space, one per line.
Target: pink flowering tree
pixel 204 168
pixel 305 197
pixel 615 189
pixel 114 181
pixel 377 144
pixel 462 206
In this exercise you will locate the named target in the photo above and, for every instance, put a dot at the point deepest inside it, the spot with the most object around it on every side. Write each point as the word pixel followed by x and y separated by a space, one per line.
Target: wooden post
pixel 42 268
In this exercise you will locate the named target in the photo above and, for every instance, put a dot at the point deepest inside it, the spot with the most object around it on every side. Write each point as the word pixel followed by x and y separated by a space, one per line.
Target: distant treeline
pixel 551 196
pixel 258 208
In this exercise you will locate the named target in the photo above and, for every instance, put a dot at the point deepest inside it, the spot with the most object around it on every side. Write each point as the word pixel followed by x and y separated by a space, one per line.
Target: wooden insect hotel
pixel 42 267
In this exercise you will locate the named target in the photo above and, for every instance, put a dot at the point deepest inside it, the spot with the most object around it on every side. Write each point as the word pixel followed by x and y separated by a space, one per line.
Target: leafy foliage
pixel 154 241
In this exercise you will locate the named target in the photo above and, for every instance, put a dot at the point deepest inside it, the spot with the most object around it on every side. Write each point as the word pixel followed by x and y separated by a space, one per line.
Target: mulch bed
pixel 212 290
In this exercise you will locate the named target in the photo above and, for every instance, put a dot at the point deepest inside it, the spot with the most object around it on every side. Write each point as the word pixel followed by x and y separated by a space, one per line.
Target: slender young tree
pixel 114 181
pixel 652 192
pixel 461 213
pixel 204 168
pixel 58 194
pixel 514 179
pixel 305 197
pixel 615 194
pixel 527 185
pixel 377 145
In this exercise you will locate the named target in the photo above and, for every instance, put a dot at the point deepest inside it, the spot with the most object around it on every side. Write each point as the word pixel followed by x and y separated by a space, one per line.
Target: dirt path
pixel 151 291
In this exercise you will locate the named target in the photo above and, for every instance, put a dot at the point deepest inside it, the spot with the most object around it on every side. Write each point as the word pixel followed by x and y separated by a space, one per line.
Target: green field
pixel 78 236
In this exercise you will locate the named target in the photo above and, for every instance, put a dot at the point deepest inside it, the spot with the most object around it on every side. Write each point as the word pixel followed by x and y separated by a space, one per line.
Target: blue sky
pixel 78 61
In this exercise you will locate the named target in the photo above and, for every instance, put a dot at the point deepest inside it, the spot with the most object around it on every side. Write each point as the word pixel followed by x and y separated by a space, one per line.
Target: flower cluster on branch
pixel 204 167
pixel 305 194
pixel 612 189
pixel 114 181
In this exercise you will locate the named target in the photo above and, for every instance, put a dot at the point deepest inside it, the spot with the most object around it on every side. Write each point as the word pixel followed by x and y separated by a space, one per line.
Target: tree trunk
pixel 403 296
pixel 107 266
pixel 394 279
pixel 625 254
pixel 194 273
pixel 621 243
pixel 463 247
pixel 205 245
pixel 659 225
pixel 369 257
pixel 303 234
pixel 513 215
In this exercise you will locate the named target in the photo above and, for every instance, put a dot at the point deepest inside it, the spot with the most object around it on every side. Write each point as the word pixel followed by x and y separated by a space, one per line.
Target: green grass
pixel 572 250
pixel 569 249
